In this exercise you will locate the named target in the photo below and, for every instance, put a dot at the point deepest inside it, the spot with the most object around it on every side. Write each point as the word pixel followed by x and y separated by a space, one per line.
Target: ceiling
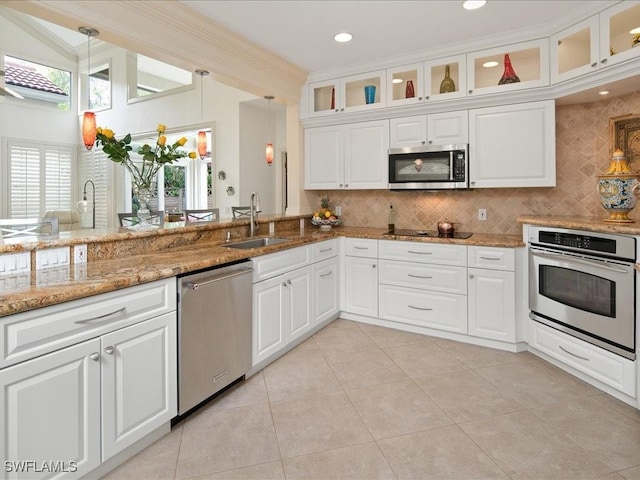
pixel 302 31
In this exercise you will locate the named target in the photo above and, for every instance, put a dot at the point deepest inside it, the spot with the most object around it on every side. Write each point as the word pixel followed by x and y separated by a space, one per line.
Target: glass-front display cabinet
pixel 507 68
pixel 405 84
pixel 620 33
pixel 445 78
pixel 348 94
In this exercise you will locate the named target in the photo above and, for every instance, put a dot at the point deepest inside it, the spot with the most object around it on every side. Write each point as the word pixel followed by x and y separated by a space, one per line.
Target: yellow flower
pixel 182 141
pixel 192 155
pixel 162 140
pixel 161 128
pixel 107 133
pixel 99 130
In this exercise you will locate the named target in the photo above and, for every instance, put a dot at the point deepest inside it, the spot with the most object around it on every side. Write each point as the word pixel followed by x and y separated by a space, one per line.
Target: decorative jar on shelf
pixel 618 188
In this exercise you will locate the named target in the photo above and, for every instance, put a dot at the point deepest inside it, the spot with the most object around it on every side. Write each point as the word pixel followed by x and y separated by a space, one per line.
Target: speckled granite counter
pixel 590 224
pixel 202 247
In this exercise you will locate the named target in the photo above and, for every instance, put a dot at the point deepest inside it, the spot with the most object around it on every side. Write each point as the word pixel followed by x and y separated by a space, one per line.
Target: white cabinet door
pixel 366 158
pixel 492 309
pixel 408 131
pixel 269 316
pixel 298 302
pixel 326 287
pixel 361 279
pixel 448 128
pixel 51 410
pixel 139 392
pixel 513 145
pixel 324 157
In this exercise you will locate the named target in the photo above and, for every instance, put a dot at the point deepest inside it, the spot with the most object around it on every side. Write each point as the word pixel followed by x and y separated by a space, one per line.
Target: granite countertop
pixel 40 288
pixel 590 224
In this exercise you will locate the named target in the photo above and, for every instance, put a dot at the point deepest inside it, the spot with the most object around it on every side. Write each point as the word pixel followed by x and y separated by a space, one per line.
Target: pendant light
pixel 89 118
pixel 202 135
pixel 269 149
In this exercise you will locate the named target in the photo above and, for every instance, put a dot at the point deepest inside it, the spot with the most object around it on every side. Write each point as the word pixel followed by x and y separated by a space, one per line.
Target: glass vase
pixel 509 75
pixel 143 194
pixel 447 85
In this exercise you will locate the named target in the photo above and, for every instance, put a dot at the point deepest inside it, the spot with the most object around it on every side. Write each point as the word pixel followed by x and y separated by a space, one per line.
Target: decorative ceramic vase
pixel 509 75
pixel 618 188
pixel 370 94
pixel 447 85
pixel 409 91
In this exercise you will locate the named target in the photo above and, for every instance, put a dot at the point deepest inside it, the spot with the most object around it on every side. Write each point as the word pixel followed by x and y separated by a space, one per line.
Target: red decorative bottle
pixel 409 92
pixel 509 76
pixel 333 98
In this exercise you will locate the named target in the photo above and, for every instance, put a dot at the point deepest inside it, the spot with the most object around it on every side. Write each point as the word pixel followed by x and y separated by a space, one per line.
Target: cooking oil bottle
pixel 392 220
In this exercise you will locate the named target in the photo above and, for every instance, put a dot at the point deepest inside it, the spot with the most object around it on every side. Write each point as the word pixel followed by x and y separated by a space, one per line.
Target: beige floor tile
pixel 611 476
pixel 341 323
pixel 619 405
pixel 364 461
pixel 441 453
pixel 569 379
pixel 631 473
pixel 396 408
pixel 604 432
pixel 158 461
pixel 343 340
pixel 526 447
pixel 465 396
pixel 249 392
pixel 299 375
pixel 359 369
pixel 318 423
pixel 265 471
pixel 475 356
pixel 227 439
pixel 529 384
pixel 389 337
pixel 422 359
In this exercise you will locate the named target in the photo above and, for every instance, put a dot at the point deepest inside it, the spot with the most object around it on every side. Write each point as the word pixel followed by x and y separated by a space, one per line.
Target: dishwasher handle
pixel 217 278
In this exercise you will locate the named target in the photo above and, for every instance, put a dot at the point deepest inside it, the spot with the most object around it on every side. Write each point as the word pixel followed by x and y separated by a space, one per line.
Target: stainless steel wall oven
pixel 583 283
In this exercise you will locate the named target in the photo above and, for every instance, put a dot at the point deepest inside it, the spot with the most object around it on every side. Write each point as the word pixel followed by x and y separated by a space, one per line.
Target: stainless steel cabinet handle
pixel 420 308
pixel 197 285
pixel 582 261
pixel 573 354
pixel 373 266
pixel 109 350
pixel 594 64
pixel 101 317
pixel 326 274
pixel 420 253
pixel 489 258
pixel 326 250
pixel 604 60
pixel 417 276
pixel 95 356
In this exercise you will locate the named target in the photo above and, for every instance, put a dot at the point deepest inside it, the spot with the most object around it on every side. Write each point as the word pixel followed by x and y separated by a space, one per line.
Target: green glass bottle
pixel 447 85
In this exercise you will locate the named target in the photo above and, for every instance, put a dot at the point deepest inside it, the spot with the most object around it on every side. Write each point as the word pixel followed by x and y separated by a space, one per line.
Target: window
pixel 100 88
pixel 149 78
pixel 93 166
pixel 40 179
pixel 37 82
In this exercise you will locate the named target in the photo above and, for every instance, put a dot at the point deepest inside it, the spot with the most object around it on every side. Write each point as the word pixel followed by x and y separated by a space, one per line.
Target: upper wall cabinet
pixel 528 60
pixel 348 94
pixel 440 79
pixel 435 129
pixel 596 42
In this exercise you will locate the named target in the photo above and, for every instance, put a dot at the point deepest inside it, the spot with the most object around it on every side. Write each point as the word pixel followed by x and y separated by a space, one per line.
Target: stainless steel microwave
pixel 430 167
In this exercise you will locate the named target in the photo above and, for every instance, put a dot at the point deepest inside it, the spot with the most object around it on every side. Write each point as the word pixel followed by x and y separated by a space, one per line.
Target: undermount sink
pixel 257 242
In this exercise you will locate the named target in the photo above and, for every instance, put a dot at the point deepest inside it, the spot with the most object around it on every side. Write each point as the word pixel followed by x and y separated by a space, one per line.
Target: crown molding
pixel 172 33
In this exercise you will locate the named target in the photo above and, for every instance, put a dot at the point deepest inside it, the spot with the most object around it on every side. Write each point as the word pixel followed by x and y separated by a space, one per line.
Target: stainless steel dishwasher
pixel 214 331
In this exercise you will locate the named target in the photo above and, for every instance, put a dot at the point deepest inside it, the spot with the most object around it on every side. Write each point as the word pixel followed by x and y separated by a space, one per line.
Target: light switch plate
pixel 52 257
pixel 12 263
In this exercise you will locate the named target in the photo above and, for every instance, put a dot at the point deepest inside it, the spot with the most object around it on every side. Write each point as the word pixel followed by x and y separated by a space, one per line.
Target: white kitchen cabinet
pixel 88 401
pixel 513 146
pixel 347 94
pixel 361 279
pixel 51 410
pixel 326 289
pixel 492 293
pixel 435 129
pixel 351 156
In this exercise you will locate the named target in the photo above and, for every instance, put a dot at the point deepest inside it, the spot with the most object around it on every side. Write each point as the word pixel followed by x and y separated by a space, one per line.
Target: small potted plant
pixel 325 218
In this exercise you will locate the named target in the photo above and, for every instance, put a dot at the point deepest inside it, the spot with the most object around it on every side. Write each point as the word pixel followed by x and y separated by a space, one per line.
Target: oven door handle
pixel 581 261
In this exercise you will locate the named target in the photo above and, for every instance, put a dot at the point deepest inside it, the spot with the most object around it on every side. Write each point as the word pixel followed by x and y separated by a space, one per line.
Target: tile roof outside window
pixel 21 77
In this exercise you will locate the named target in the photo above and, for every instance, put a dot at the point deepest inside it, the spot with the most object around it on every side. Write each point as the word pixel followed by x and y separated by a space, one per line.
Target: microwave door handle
pixel 581 261
pixel 451 166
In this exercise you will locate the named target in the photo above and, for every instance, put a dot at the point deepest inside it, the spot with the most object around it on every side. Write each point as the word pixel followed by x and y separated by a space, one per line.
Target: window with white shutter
pixel 93 166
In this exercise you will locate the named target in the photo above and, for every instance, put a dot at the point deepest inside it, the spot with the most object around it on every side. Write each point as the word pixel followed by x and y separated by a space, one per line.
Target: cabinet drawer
pixel 607 367
pixel 31 334
pixel 424 252
pixel 361 247
pixel 267 266
pixel 441 311
pixel 495 258
pixel 324 250
pixel 442 278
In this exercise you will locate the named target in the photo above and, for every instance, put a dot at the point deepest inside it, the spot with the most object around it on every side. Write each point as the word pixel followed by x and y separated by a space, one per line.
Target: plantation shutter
pixel 58 194
pixel 93 166
pixel 24 187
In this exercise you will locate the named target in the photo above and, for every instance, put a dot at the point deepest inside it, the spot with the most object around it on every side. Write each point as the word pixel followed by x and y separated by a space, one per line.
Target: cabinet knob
pixel 95 356
pixel 346 185
pixel 109 350
pixel 288 282
pixel 430 142
pixel 594 64
pixel 342 109
pixel 419 98
pixel 604 60
pixel 374 265
pixel 471 275
pixel 473 183
pixel 340 185
pixel 284 284
pixel 426 97
pixel 423 142
pixel 337 110
pixel 470 91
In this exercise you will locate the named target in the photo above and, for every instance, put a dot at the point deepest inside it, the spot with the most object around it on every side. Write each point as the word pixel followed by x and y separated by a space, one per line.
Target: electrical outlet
pixel 338 210
pixel 482 214
pixel 80 254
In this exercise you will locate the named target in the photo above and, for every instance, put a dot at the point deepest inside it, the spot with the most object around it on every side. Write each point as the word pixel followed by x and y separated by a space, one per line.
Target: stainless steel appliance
pixel 583 283
pixel 433 167
pixel 214 331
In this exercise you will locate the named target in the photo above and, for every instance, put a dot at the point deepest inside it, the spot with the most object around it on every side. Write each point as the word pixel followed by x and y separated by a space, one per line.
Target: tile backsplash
pixel 582 152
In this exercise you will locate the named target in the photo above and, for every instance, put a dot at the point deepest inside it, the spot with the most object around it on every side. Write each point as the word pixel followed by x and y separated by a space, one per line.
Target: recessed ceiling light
pixel 635 31
pixel 343 37
pixel 473 4
pixel 397 80
pixel 490 64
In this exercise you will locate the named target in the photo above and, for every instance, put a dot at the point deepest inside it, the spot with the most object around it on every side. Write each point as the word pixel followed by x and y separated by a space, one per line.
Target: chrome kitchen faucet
pixel 254 210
